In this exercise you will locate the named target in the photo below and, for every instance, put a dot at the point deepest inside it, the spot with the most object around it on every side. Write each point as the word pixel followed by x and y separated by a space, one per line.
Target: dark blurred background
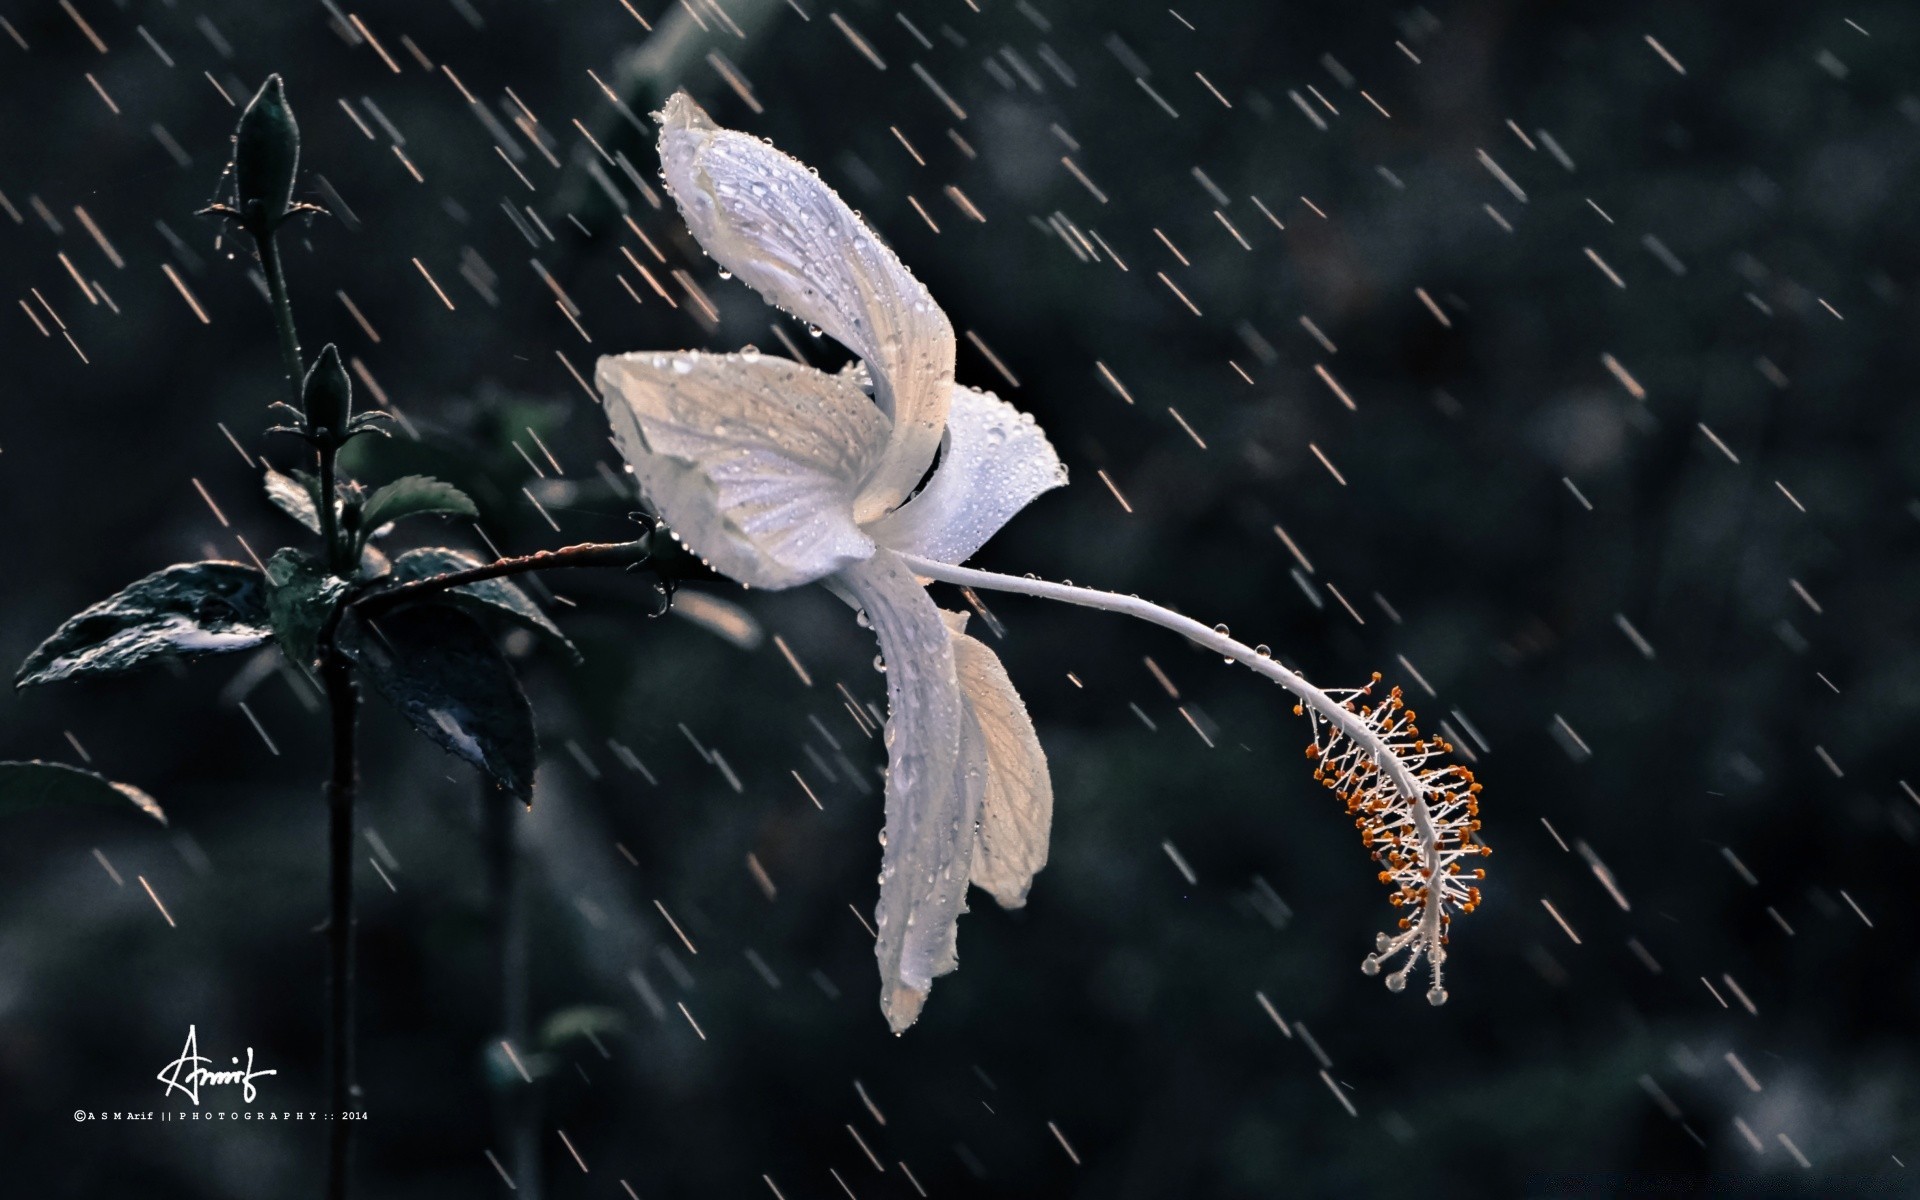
pixel 1687 681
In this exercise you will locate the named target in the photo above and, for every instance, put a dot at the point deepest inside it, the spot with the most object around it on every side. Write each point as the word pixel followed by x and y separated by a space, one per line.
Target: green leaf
pixel 30 785
pixel 295 495
pixel 496 596
pixel 449 680
pixel 300 597
pixel 186 611
pixel 411 496
pixel 581 1021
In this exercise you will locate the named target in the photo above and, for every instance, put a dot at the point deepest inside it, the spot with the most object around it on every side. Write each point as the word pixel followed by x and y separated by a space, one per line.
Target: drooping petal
pixel 770 220
pixel 1016 807
pixel 929 817
pixel 995 462
pixel 753 460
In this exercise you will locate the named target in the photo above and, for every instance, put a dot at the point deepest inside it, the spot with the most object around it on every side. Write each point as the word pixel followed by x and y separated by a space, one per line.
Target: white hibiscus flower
pixel 781 475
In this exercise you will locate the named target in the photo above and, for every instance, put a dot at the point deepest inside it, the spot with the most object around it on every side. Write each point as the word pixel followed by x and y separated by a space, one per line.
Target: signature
pixel 186 1073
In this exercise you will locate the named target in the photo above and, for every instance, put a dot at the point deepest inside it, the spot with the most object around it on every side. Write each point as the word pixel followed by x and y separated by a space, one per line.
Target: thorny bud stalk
pixel 266 154
pixel 327 396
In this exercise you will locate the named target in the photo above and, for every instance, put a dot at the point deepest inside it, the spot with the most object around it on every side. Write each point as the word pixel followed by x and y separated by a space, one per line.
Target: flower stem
pixel 337 552
pixel 282 311
pixel 343 783
pixel 1326 706
pixel 586 554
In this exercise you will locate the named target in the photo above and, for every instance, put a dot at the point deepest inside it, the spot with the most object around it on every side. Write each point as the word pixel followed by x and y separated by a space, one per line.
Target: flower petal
pixel 929 816
pixel 995 462
pixel 770 220
pixel 752 460
pixel 1016 809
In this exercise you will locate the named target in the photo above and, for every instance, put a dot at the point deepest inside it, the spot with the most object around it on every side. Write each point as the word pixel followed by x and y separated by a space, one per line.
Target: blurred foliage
pixel 1509 510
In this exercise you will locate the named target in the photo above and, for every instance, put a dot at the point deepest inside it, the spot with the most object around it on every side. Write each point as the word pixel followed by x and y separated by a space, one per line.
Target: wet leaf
pixel 500 597
pixel 412 496
pixel 29 785
pixel 186 611
pixel 300 596
pixel 445 675
pixel 295 495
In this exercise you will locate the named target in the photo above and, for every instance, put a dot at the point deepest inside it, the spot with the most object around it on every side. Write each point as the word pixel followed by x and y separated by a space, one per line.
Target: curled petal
pixel 998 744
pixel 752 460
pixel 995 462
pixel 770 220
pixel 929 815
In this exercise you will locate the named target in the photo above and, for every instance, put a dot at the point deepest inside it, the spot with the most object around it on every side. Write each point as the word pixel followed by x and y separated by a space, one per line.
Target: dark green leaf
pixel 30 785
pixel 295 497
pixel 497 596
pixel 443 673
pixel 412 495
pixel 185 611
pixel 301 595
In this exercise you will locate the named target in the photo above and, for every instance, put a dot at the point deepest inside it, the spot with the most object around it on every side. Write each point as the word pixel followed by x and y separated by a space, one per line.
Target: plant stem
pixel 342 703
pixel 282 311
pixel 586 554
pixel 343 783
pixel 296 373
pixel 1326 706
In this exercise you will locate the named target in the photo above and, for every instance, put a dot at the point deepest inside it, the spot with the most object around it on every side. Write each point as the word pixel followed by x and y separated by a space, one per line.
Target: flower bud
pixel 328 396
pixel 266 153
